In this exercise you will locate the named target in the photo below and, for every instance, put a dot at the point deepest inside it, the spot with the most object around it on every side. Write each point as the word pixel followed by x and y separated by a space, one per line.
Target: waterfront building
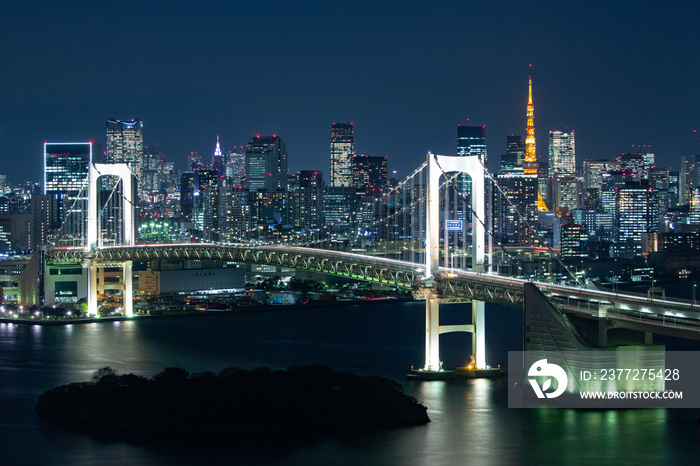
pixel 45 218
pixel 66 168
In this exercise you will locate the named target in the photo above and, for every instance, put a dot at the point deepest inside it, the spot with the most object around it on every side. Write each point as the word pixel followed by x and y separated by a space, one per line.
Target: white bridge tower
pixel 472 166
pixel 98 170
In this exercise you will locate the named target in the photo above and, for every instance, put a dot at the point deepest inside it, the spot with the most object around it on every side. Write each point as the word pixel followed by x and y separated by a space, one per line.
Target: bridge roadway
pixel 675 317
pixel 661 315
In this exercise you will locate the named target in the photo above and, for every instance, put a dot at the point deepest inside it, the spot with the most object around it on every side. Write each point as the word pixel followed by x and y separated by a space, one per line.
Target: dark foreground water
pixel 471 422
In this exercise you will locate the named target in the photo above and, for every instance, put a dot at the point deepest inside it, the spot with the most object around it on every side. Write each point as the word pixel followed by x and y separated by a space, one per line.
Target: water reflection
pixel 583 436
pixel 471 423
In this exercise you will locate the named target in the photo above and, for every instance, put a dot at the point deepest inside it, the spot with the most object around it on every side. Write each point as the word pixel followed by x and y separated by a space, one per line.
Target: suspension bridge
pixel 400 239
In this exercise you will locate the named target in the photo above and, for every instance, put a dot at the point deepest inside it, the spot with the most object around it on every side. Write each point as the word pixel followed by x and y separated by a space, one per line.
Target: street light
pixel 695 285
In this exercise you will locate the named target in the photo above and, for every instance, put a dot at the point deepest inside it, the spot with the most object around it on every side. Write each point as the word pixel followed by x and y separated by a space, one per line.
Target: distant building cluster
pixel 623 207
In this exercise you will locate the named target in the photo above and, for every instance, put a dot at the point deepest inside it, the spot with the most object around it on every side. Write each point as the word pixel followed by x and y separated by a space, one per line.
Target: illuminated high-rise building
pixel 471 140
pixel 266 164
pixel 217 159
pixel 206 203
pixel 513 212
pixel 562 153
pixel 512 160
pixel 369 175
pixel 636 212
pixel 309 200
pixel 188 187
pixel 66 168
pixel 125 143
pixel 574 241
pixel 235 165
pixel 342 150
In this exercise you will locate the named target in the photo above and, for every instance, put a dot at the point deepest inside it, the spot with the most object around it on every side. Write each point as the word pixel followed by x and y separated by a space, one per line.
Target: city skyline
pixel 406 76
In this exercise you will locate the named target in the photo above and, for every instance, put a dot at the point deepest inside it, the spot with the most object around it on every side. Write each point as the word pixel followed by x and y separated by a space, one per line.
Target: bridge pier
pixel 648 338
pixel 92 288
pixel 603 333
pixel 433 369
pixel 127 280
pixel 128 289
pixel 479 333
pixel 432 331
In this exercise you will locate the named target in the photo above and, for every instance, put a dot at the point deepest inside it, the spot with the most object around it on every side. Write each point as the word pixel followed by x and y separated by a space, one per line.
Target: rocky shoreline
pixel 312 398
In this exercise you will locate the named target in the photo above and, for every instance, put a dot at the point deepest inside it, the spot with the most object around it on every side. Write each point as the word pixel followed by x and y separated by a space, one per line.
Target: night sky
pixel 406 73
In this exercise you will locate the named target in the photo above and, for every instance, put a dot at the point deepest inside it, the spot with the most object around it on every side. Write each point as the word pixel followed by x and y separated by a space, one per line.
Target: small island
pixel 235 401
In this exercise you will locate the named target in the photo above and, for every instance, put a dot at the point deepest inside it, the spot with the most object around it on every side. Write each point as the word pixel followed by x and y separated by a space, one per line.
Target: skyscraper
pixel 512 160
pixel 309 200
pixel 44 218
pixel 66 168
pixel 206 203
pixel 688 178
pixel 217 159
pixel 511 219
pixel 342 150
pixel 574 241
pixel 562 153
pixel 125 142
pixel 369 174
pixel 188 187
pixel 266 164
pixel 636 212
pixel 471 140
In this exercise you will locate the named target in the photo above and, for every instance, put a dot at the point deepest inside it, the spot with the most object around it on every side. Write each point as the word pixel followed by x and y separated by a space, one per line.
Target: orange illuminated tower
pixel 530 164
pixel 530 161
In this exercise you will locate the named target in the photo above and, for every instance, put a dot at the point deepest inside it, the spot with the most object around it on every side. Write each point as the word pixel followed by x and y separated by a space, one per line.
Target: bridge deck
pixel 623 307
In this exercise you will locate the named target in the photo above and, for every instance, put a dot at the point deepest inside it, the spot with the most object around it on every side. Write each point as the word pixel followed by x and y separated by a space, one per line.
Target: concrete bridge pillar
pixel 603 333
pixel 479 333
pixel 128 289
pixel 92 287
pixel 432 331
